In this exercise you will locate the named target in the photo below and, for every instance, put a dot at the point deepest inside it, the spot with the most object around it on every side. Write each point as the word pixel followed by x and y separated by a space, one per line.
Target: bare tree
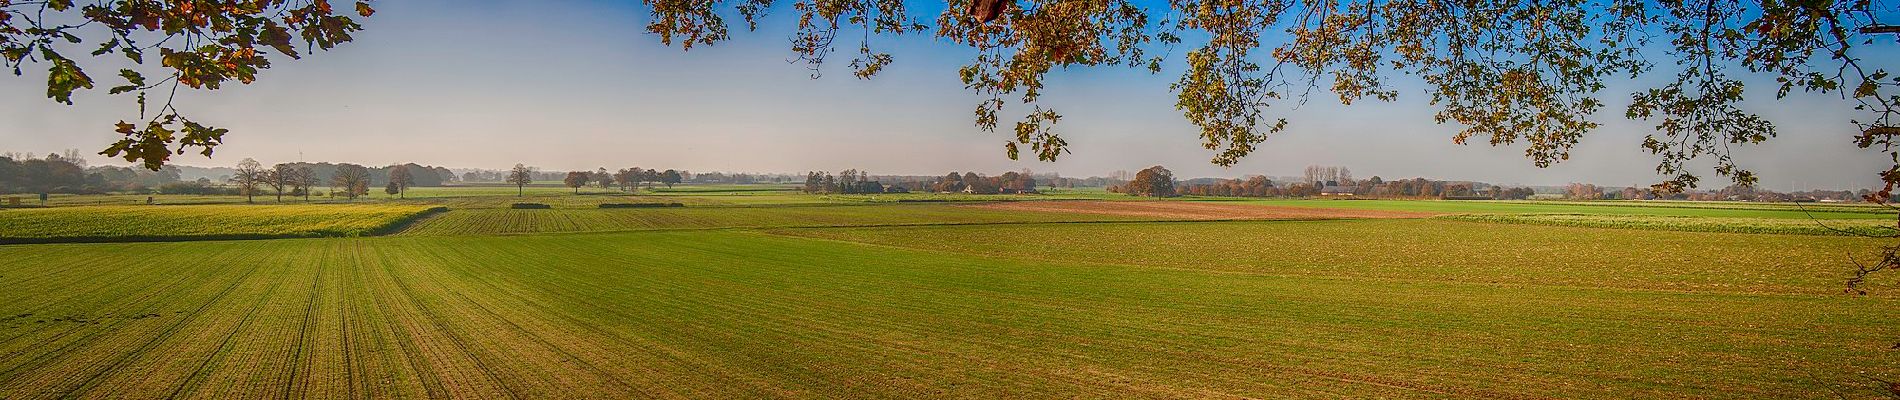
pixel 248 177
pixel 400 179
pixel 352 179
pixel 305 179
pixel 279 177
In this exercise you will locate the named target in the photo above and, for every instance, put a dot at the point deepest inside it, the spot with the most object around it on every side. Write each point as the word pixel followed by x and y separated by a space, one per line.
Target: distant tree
pixel 73 156
pixel 950 183
pixel 351 179
pixel 1153 182
pixel 815 182
pixel 578 179
pixel 625 177
pixel 605 179
pixel 1583 191
pixel 392 188
pixel 520 176
pixel 305 179
pixel 248 176
pixel 670 177
pixel 651 175
pixel 400 178
pixel 281 176
pixel 639 175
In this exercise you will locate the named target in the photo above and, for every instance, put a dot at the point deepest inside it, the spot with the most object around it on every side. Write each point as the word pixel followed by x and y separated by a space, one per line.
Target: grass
pixel 1428 250
pixel 508 221
pixel 1837 227
pixel 1001 312
pixel 754 292
pixel 146 223
pixel 1658 208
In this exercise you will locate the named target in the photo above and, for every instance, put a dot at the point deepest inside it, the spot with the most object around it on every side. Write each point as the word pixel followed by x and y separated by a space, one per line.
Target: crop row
pixel 724 314
pixel 146 223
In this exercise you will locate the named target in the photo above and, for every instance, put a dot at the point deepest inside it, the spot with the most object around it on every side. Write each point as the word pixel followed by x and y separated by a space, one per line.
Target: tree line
pixel 852 181
pixel 350 181
pixel 68 174
pixel 1158 181
pixel 625 179
pixel 1585 191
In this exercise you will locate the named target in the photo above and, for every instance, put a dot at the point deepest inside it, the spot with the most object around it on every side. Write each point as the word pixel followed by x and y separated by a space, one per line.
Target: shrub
pixel 529 206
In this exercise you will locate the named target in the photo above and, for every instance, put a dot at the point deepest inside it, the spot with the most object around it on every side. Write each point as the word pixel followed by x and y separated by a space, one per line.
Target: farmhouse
pixel 1336 190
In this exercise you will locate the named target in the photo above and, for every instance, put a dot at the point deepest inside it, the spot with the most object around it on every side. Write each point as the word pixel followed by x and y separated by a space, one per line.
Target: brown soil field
pixel 1197 210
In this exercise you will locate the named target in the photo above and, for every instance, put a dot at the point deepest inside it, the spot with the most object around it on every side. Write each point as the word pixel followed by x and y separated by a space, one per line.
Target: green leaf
pixel 132 77
pixel 107 47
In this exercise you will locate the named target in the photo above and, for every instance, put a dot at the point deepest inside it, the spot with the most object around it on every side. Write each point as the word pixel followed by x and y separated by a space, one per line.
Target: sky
pixel 576 85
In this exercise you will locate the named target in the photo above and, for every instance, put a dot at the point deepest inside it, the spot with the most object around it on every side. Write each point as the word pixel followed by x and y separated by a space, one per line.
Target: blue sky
pixel 579 85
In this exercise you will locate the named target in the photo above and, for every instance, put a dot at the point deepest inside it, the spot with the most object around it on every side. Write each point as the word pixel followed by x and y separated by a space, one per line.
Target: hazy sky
pixel 579 85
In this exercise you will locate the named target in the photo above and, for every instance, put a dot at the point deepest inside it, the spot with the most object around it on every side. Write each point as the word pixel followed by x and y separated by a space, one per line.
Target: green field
pixel 1791 226
pixel 1661 208
pixel 803 296
pixel 140 223
pixel 509 221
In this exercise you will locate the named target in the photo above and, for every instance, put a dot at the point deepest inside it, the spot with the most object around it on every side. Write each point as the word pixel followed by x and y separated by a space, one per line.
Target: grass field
pixel 1792 226
pixel 746 314
pixel 508 221
pixel 786 295
pixel 142 223
pixel 1661 208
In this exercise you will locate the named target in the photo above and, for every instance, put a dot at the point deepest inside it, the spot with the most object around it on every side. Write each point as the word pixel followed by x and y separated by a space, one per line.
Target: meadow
pixel 181 222
pixel 1657 208
pixel 1878 227
pixel 814 298
pixel 510 221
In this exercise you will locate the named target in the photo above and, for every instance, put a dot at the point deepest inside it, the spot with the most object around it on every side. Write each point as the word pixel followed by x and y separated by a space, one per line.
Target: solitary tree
pixel 521 176
pixel 670 177
pixel 248 177
pixel 1154 182
pixel 577 179
pixel 351 179
pixel 399 179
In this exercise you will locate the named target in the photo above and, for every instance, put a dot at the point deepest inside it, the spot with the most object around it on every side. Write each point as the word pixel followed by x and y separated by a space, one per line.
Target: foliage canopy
pixel 1529 73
